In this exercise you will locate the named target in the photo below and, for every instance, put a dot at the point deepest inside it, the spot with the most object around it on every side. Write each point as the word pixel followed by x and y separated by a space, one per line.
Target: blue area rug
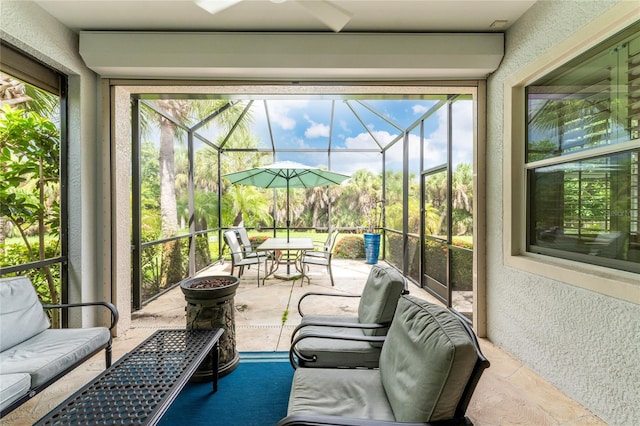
pixel 256 393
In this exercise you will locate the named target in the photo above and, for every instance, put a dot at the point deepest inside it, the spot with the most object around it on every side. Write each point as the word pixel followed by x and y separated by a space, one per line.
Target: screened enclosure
pixel 410 159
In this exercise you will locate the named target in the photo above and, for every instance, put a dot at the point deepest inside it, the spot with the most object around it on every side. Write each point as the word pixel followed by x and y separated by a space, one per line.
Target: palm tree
pixel 316 201
pixel 363 191
pixel 462 198
pixel 182 111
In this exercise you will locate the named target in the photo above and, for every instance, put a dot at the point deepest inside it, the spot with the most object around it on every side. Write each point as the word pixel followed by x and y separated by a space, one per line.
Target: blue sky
pixel 298 124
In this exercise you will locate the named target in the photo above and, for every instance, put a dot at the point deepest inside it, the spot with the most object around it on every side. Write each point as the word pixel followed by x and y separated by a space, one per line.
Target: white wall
pixel 29 28
pixel 585 343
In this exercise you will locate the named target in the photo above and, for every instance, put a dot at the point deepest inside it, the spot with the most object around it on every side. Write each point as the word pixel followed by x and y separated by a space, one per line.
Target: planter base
pixel 205 371
pixel 213 308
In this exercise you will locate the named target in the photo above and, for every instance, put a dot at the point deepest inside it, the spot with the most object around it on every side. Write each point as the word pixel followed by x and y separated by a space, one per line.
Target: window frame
pixel 610 282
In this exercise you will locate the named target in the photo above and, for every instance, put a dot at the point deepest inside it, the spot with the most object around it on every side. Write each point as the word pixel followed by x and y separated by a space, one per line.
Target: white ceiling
pixel 287 15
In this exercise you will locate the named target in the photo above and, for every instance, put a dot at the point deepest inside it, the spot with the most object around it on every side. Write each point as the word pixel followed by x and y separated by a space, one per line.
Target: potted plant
pixel 373 214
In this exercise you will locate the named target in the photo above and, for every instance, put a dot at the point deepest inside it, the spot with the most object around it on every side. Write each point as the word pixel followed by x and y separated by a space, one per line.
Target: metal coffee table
pixel 140 387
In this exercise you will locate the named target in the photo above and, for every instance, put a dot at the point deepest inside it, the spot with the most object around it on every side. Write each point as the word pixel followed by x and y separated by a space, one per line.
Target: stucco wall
pixel 29 28
pixel 583 342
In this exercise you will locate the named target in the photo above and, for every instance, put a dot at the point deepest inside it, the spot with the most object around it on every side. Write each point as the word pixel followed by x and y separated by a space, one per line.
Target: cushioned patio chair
pixel 237 255
pixel 335 340
pixel 430 365
pixel 320 257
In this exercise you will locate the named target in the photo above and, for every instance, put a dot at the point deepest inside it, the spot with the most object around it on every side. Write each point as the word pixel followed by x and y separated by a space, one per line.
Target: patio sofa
pixel 32 355
pixel 429 367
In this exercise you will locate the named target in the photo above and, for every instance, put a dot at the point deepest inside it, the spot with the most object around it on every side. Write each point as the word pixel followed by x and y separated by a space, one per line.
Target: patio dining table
pixel 280 246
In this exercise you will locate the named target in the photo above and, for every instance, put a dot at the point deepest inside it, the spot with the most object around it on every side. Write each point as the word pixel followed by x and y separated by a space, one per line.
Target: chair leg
pixel 107 354
pixel 265 271
pixel 330 274
pixel 305 267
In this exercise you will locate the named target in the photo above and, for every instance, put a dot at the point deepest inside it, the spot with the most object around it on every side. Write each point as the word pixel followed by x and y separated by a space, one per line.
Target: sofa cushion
pixel 425 362
pixel 47 354
pixel 21 313
pixel 12 387
pixel 339 392
pixel 380 297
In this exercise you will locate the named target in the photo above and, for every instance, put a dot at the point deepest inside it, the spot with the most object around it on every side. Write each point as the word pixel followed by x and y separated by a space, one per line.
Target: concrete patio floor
pixel 508 393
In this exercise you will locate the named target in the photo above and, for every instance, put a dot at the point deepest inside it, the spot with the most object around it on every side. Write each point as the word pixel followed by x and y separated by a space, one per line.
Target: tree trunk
pixel 3 233
pixel 168 208
pixel 171 253
pixel 237 221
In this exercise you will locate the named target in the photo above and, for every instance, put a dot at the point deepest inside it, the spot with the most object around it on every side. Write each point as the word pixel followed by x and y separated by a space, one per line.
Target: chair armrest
pixel 293 351
pixel 315 293
pixel 368 326
pixel 317 420
pixel 110 306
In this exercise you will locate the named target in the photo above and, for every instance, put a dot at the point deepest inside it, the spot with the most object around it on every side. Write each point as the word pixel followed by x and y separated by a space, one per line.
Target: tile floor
pixel 508 393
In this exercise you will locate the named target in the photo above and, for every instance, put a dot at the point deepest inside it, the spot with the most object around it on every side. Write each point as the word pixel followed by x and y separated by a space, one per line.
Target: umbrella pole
pixel 288 225
pixel 288 275
pixel 288 221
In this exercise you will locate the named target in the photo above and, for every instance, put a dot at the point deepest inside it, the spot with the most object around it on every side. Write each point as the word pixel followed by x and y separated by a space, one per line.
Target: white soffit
pixel 291 56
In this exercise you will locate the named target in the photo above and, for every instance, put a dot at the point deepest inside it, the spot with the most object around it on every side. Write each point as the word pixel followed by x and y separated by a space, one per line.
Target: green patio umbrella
pixel 286 174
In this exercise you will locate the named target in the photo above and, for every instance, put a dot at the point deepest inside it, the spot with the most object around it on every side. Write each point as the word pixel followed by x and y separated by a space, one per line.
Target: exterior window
pixel 32 199
pixel 582 157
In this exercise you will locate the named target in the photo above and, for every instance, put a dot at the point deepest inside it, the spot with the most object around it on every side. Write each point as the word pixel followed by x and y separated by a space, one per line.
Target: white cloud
pixel 316 130
pixel 349 162
pixel 364 141
pixel 436 142
pixel 419 109
pixel 279 112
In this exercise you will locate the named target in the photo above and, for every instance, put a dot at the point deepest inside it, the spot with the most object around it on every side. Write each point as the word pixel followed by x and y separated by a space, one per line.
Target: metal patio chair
pixel 238 257
pixel 320 257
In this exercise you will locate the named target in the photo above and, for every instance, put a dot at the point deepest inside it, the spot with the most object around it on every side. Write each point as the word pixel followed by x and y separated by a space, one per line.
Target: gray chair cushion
pixel 13 386
pixel 21 313
pixel 309 319
pixel 52 351
pixel 337 352
pixel 380 297
pixel 339 392
pixel 426 361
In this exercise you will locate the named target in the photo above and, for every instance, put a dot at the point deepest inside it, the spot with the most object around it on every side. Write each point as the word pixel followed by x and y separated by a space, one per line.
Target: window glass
pixel 590 103
pixel 585 207
pixel 588 207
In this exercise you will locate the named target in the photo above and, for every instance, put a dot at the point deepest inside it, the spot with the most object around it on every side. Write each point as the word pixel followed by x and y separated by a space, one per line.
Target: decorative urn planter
pixel 210 305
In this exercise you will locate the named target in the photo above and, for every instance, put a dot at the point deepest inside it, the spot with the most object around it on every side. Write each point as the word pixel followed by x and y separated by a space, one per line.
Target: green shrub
pixel 256 240
pixel 349 247
pixel 18 254
pixel 463 242
pixel 461 269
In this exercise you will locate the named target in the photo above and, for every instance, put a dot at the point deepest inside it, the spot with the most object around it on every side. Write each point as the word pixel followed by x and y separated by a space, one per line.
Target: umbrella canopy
pixel 286 174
